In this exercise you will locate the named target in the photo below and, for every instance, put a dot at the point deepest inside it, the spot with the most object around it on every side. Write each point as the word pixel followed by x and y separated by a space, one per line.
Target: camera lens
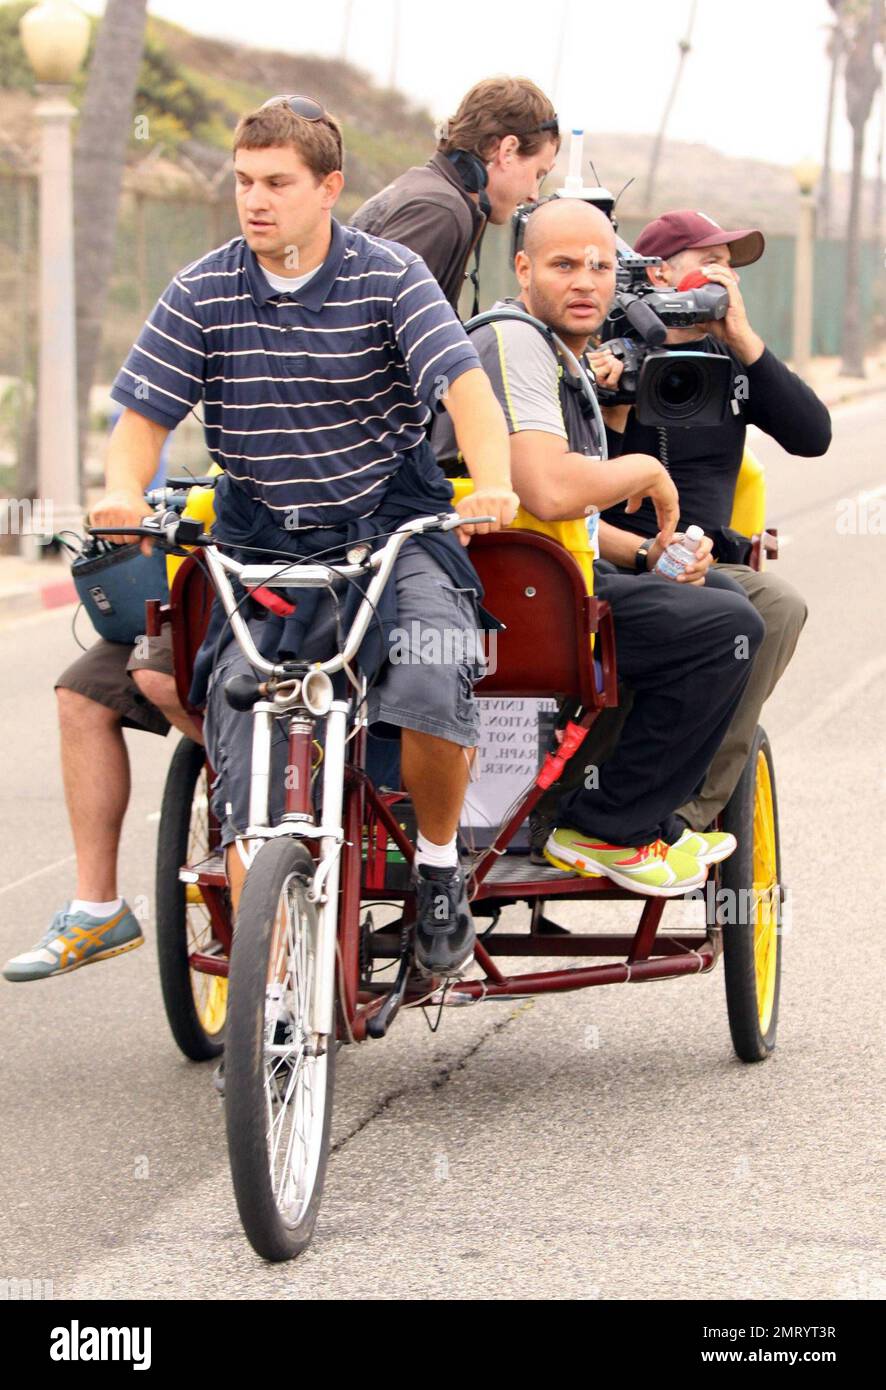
pixel 680 388
pixel 677 387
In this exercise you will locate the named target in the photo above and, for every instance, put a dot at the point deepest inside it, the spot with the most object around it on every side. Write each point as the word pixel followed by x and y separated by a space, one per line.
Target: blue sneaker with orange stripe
pixel 75 939
pixel 657 869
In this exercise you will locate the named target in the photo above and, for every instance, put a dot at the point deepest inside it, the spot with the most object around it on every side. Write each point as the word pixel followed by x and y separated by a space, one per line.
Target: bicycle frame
pixel 308 699
pixel 351 805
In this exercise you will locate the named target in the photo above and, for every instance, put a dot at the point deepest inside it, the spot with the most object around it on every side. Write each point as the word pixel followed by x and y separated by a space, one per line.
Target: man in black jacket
pixel 492 155
pixel 704 464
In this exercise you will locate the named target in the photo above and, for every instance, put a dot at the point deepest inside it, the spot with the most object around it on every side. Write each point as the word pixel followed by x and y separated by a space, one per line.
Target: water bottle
pixel 679 554
pixel 592 522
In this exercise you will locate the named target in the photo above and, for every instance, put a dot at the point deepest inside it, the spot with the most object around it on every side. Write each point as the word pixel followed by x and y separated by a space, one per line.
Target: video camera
pixel 666 385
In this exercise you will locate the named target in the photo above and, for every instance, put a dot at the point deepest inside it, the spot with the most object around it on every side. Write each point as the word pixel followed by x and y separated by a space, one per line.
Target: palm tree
pixel 99 161
pixel 864 24
pixel 881 150
pixel 835 53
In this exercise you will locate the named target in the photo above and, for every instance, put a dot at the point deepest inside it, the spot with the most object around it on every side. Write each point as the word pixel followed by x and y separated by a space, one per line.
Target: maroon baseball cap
pixel 686 230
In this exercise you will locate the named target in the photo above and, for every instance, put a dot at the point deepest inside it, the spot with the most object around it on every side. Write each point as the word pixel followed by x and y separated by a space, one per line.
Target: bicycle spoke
pixel 289 1077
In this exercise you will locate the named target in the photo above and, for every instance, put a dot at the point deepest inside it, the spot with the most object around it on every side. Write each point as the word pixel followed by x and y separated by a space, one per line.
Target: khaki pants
pixel 784 612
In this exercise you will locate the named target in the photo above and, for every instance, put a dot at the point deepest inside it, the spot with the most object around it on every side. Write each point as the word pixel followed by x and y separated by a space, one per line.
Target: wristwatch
pixel 641 556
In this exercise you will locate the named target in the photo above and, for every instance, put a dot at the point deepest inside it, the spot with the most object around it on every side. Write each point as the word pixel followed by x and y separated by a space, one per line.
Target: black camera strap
pixel 474 276
pixel 663 459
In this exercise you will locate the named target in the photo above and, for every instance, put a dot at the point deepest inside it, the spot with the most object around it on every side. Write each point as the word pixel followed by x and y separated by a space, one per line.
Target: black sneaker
pixel 540 827
pixel 444 928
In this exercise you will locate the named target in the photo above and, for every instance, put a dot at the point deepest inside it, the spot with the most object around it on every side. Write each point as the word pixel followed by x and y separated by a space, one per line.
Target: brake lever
pixel 453 523
pixel 168 529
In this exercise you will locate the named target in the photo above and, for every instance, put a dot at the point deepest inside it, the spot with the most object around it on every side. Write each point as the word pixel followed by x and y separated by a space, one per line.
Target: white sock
pixel 435 856
pixel 96 909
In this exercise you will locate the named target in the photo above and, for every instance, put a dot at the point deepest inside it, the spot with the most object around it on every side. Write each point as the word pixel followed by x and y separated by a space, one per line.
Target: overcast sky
pixel 754 84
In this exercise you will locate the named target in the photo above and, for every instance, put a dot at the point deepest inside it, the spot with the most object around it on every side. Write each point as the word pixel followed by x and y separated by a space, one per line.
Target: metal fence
pixel 156 236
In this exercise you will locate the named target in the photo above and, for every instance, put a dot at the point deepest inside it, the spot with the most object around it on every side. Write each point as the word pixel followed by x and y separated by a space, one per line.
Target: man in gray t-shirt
pixel 531 384
pixel 676 643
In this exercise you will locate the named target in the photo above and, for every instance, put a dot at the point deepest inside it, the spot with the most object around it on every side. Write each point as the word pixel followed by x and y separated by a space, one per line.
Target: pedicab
pixel 310 969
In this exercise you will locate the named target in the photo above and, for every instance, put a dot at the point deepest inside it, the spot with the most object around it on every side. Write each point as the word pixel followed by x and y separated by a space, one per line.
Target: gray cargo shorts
pixel 436 657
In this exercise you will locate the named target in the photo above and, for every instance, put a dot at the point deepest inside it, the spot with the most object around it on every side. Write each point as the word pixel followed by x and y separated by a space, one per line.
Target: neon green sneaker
pixel 658 869
pixel 708 846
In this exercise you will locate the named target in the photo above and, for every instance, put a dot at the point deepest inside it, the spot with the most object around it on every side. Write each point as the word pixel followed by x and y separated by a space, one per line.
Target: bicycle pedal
pixel 445 976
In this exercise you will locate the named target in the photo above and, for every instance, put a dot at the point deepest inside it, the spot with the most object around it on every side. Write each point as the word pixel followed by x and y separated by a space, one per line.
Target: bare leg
pixel 435 773
pixel 95 769
pixel 161 691
pixel 236 871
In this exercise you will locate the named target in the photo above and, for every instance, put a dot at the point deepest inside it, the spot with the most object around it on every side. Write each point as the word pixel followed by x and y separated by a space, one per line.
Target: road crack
pixel 441 1078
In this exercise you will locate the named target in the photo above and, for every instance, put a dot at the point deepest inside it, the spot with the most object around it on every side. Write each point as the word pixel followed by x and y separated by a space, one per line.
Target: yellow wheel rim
pixel 210 1000
pixel 766 894
pixel 210 991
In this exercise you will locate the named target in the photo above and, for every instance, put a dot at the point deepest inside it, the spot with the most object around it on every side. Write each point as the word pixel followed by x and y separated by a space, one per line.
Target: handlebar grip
pixel 207 480
pixel 164 528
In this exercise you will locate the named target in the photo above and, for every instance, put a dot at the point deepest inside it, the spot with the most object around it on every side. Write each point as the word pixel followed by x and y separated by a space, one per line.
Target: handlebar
pixel 178 489
pixel 169 530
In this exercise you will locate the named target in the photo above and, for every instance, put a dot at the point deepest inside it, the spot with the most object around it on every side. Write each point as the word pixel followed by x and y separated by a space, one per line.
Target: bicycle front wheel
pixel 278 1081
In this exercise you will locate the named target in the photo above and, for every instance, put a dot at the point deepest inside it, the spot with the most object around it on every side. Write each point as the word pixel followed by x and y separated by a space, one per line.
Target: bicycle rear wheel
pixel 195 1003
pixel 752 939
pixel 278 1087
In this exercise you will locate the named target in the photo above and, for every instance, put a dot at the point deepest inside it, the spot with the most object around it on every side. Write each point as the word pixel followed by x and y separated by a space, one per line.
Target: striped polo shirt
pixel 309 400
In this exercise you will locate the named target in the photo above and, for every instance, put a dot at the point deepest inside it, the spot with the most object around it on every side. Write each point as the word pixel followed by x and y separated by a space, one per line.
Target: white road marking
pixel 830 708
pixel 7 888
pixel 870 492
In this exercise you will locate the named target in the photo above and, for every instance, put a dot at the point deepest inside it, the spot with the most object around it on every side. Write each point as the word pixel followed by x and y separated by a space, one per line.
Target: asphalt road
pixel 605 1144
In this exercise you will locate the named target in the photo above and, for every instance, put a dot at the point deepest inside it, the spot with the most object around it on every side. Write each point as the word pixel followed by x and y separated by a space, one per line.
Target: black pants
pixel 686 653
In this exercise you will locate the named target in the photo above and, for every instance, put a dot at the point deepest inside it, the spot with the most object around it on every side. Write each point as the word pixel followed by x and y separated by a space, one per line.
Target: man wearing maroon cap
pixel 675 232
pixel 704 464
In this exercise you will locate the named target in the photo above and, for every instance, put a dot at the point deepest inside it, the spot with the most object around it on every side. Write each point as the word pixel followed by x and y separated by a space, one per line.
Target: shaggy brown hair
pixel 318 143
pixel 496 107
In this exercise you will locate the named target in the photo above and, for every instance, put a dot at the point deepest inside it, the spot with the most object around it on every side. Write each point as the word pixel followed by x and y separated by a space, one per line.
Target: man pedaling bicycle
pixel 318 354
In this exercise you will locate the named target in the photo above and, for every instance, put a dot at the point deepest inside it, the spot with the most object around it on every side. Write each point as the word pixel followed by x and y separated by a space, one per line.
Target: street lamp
pixel 807 174
pixel 55 37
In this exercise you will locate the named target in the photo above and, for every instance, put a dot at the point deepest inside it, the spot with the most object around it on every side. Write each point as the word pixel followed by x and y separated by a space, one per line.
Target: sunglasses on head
pixel 552 125
pixel 306 107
